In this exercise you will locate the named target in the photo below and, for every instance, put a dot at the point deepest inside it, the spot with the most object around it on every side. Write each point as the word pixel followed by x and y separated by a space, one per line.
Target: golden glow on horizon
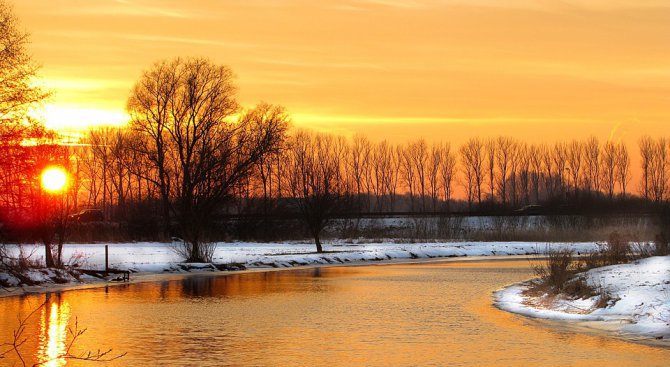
pixel 77 118
pixel 54 180
pixel 443 70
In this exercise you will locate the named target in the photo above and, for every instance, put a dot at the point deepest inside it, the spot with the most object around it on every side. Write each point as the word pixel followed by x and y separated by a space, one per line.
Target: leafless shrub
pixel 77 259
pixel 578 287
pixel 617 249
pixel 204 251
pixel 556 269
pixel 22 261
pixel 604 298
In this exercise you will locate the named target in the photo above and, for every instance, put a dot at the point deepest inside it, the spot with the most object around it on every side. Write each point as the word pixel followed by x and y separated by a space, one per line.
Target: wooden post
pixel 106 258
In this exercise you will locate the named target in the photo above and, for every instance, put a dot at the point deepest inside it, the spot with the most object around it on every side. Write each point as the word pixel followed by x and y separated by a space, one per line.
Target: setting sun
pixel 54 179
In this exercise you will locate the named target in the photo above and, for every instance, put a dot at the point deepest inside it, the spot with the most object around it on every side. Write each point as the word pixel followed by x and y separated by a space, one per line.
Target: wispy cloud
pixel 186 40
pixel 132 8
pixel 322 65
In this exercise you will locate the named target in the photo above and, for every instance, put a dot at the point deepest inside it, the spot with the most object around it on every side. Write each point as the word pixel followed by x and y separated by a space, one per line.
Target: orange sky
pixel 395 69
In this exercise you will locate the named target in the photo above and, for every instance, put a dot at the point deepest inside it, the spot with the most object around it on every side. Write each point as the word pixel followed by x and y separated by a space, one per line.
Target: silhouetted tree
pixel 472 159
pixel 313 180
pixel 592 165
pixel 622 167
pixel 575 154
pixel 447 171
pixel 504 153
pixel 646 155
pixel 608 159
pixel 185 108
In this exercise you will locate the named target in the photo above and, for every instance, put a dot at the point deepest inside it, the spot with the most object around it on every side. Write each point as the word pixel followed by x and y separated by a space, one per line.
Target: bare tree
pixel 535 155
pixel 20 164
pixel 447 171
pixel 267 112
pixel 18 92
pixel 382 161
pixel 524 171
pixel 472 159
pixel 434 162
pixel 622 167
pixel 592 164
pixel 313 180
pixel 549 172
pixel 515 163
pixel 609 160
pixel 360 150
pixel 185 107
pixel 646 155
pixel 659 169
pixel 408 171
pixel 418 154
pixel 504 153
pixel 575 153
pixel 560 159
pixel 395 174
pixel 490 147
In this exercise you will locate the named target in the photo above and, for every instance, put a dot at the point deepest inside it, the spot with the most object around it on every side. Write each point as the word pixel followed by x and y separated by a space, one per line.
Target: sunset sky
pixel 393 69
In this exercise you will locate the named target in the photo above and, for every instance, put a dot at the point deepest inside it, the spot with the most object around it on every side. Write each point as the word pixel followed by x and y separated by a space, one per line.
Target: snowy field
pixel 152 257
pixel 639 299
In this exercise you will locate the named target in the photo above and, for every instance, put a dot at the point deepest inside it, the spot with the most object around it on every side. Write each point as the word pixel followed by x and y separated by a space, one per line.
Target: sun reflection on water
pixel 53 333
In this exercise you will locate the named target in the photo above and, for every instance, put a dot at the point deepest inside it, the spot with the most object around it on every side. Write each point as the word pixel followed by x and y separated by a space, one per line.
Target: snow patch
pixel 639 292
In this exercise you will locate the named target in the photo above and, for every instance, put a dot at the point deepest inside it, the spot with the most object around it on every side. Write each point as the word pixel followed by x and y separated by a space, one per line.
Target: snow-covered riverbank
pixel 638 299
pixel 160 258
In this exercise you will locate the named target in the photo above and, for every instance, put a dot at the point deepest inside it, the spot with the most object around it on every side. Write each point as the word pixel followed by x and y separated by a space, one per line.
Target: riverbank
pixel 397 313
pixel 158 261
pixel 633 300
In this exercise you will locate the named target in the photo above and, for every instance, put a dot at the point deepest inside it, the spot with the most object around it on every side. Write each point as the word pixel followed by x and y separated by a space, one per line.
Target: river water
pixel 426 314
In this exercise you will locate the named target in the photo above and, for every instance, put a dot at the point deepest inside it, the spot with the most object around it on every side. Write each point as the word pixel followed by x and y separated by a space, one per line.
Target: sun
pixel 54 179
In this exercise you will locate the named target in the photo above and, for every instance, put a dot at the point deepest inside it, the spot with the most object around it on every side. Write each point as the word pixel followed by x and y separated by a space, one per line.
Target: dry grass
pixel 556 269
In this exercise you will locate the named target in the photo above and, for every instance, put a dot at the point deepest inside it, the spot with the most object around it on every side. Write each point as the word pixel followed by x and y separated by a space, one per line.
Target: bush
pixel 617 249
pixel 194 252
pixel 21 262
pixel 556 269
pixel 662 247
pixel 577 287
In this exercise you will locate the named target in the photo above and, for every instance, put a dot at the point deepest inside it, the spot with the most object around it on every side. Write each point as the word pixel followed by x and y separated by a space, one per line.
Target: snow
pixel 8 279
pixel 639 302
pixel 153 257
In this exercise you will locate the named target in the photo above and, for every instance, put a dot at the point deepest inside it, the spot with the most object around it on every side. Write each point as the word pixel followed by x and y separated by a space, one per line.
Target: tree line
pixel 264 168
pixel 114 169
pixel 191 155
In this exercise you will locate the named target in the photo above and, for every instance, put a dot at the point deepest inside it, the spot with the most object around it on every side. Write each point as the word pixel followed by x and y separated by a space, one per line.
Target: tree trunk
pixel 48 255
pixel 319 248
pixel 59 255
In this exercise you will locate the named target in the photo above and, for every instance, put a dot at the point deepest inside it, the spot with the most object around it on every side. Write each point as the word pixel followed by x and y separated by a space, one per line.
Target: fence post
pixel 106 258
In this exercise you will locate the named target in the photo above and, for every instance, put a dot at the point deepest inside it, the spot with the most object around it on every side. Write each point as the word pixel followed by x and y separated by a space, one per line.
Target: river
pixel 435 313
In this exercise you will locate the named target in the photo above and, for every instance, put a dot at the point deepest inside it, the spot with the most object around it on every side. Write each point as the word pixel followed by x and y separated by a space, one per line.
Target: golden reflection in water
pixel 53 332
